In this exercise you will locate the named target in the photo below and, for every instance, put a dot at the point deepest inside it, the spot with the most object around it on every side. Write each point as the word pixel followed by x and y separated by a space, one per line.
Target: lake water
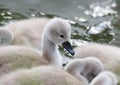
pixel 91 20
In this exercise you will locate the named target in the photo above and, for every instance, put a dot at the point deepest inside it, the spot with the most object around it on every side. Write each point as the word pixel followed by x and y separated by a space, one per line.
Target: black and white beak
pixel 68 47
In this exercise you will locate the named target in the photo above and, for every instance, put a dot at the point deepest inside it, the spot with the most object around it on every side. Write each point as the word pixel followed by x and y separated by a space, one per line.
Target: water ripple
pixel 101 9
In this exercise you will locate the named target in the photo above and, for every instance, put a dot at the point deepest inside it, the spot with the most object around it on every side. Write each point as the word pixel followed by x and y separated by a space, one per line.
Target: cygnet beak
pixel 68 47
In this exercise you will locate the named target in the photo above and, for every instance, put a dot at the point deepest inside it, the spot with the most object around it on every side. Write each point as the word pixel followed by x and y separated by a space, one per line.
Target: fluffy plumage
pixel 17 57
pixel 105 78
pixel 27 32
pixel 87 67
pixel 108 54
pixel 43 75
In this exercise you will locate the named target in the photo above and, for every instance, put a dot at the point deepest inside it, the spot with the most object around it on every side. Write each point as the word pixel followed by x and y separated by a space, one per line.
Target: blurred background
pixel 91 20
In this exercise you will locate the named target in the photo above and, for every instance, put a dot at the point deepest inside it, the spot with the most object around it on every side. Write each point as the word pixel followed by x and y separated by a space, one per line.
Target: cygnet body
pixel 26 32
pixel 43 75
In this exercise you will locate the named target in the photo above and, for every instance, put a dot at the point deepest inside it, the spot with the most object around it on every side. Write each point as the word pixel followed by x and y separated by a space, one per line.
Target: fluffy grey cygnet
pixel 108 54
pixel 87 68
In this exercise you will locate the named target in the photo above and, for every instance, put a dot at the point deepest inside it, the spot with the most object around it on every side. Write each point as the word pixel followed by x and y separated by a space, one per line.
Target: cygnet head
pixel 6 36
pixel 105 78
pixel 59 32
pixel 93 67
pixel 86 67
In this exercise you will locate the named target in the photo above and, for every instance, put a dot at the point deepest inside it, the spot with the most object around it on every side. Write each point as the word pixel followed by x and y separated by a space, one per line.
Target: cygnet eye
pixel 62 36
pixel 2 41
pixel 82 74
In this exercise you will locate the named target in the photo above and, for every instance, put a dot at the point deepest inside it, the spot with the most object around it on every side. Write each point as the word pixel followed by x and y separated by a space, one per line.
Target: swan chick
pixel 109 55
pixel 87 68
pixel 6 37
pixel 43 75
pixel 26 32
pixel 105 78
pixel 56 32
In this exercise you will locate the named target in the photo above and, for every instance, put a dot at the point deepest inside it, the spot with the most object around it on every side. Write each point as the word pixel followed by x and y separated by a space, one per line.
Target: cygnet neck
pixel 76 67
pixel 50 51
